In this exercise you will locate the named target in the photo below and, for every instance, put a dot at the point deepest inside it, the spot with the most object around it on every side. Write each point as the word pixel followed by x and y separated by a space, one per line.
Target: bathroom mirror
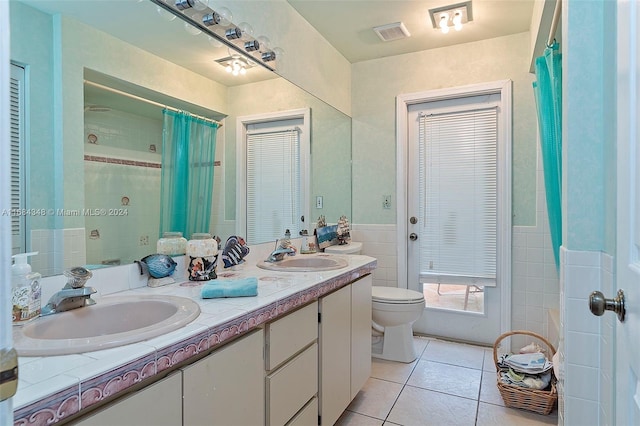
pixel 71 117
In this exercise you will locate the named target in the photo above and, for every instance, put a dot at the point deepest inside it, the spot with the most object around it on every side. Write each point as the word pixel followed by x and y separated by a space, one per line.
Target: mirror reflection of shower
pixel 117 159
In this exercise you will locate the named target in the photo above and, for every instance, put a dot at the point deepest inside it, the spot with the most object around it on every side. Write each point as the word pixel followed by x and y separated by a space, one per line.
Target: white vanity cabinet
pixel 226 387
pixel 307 364
pixel 159 404
pixel 344 347
pixel 291 364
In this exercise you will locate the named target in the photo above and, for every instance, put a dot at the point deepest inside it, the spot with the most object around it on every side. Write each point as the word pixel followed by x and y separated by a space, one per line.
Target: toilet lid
pixel 395 295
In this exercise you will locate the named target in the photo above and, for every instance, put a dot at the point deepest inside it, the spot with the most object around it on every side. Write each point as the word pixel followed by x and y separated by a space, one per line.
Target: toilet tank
pixel 351 248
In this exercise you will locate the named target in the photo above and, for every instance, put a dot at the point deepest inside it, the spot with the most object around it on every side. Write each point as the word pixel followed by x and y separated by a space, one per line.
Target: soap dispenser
pixel 25 290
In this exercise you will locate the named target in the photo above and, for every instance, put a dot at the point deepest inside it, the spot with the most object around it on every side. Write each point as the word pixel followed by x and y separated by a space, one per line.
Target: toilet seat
pixel 394 295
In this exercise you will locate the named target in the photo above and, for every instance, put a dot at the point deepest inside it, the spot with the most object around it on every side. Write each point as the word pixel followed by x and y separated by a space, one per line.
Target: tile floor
pixel 449 384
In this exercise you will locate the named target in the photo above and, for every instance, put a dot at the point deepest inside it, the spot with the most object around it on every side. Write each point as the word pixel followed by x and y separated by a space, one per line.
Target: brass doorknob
pixel 598 304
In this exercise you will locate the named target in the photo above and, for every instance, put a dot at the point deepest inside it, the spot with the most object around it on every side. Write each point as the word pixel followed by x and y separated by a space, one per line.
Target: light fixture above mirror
pixel 218 25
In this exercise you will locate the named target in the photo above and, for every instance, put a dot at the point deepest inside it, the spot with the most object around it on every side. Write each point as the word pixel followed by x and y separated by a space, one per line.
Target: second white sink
pixel 113 321
pixel 305 263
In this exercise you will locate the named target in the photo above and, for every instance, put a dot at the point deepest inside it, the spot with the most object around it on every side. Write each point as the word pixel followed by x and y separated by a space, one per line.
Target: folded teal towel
pixel 230 288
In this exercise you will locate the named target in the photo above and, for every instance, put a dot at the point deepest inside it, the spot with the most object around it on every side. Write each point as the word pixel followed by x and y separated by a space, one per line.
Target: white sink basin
pixel 112 321
pixel 305 263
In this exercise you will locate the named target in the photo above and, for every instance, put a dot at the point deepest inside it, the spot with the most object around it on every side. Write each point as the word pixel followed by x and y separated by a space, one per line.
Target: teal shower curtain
pixel 188 155
pixel 548 94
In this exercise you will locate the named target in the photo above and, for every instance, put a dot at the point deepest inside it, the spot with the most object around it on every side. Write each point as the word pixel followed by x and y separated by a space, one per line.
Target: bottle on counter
pixel 25 290
pixel 172 244
pixel 202 250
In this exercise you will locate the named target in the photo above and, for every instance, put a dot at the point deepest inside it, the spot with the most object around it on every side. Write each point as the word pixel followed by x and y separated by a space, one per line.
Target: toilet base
pixel 397 344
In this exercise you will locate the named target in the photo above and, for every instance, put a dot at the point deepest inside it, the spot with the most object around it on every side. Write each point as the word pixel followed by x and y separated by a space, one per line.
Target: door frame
pixel 504 87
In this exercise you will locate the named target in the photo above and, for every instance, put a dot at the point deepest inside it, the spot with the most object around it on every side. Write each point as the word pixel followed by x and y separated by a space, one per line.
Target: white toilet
pixel 394 311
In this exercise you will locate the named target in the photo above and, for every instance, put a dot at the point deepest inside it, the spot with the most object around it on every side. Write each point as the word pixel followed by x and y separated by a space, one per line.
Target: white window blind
pixel 17 108
pixel 273 184
pixel 458 202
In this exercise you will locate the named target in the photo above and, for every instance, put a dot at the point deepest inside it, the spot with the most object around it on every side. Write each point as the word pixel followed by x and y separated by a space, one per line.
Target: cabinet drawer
pixel 288 335
pixel 291 386
pixel 308 416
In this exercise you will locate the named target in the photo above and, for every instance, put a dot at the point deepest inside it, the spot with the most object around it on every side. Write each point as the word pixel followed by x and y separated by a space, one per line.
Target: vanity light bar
pixel 232 36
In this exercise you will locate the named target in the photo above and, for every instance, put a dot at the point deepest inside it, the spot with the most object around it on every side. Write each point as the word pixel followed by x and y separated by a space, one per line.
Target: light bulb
pixel 443 23
pixel 200 4
pixel 228 68
pixel 225 16
pixel 165 15
pixel 457 20
pixel 243 71
pixel 191 29
pixel 279 52
pixel 264 43
pixel 247 31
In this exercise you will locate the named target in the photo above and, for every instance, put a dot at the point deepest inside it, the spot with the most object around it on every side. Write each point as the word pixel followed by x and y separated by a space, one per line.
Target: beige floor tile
pixel 489 389
pixel 392 371
pixel 354 419
pixel 491 415
pixel 489 364
pixel 454 353
pixel 426 399
pixel 376 398
pixel 420 343
pixel 422 407
pixel 447 378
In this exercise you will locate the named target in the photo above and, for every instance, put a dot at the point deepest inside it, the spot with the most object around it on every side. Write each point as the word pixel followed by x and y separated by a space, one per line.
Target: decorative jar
pixel 172 244
pixel 202 250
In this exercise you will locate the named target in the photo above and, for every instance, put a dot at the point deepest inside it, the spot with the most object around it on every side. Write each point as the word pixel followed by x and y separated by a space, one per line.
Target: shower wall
pixel 122 168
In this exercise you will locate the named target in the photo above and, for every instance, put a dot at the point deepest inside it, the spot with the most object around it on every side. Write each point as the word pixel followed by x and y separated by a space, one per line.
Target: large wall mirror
pixel 96 76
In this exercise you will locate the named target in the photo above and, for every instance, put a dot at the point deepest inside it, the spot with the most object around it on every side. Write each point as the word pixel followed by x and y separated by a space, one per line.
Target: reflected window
pixel 17 120
pixel 276 178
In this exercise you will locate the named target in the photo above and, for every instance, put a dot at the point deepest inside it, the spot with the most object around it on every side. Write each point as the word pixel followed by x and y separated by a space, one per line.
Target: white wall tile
pixel 580 412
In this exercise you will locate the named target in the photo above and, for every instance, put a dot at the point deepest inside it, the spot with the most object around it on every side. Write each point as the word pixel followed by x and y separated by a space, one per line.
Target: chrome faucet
pixel 279 253
pixel 73 295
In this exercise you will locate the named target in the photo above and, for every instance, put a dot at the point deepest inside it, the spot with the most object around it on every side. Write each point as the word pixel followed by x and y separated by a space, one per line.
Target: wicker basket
pixel 539 401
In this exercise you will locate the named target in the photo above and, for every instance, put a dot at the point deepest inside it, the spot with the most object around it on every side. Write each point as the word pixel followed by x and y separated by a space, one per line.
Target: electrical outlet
pixel 144 240
pixel 319 202
pixel 386 201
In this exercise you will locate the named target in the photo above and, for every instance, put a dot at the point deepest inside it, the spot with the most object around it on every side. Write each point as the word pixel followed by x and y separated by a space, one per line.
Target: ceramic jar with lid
pixel 202 250
pixel 172 244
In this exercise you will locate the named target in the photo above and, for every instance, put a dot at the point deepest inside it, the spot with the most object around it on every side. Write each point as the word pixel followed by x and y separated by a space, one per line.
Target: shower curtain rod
pixel 138 98
pixel 557 14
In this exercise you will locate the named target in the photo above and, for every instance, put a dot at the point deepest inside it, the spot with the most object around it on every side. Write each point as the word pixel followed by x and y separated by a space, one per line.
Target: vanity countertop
pixel 53 388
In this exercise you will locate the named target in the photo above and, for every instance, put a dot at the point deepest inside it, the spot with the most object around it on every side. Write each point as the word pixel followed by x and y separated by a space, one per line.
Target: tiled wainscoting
pixel 534 281
pixel 585 348
pixel 379 241
pixel 57 249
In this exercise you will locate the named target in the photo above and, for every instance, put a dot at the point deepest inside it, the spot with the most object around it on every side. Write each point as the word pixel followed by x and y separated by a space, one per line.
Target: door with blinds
pixel 274 175
pixel 453 202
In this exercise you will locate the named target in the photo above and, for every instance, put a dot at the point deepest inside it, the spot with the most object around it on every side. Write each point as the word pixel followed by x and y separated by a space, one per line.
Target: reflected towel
pixel 230 288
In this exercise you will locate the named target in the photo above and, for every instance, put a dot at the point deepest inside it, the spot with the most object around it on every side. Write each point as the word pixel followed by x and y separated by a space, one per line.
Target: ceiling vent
pixel 391 32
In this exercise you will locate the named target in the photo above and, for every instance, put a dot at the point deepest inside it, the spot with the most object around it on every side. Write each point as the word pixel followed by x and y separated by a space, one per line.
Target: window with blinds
pixel 458 197
pixel 274 185
pixel 16 123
